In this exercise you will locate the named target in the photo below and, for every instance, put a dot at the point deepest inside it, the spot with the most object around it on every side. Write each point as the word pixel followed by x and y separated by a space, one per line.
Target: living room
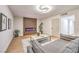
pixel 32 20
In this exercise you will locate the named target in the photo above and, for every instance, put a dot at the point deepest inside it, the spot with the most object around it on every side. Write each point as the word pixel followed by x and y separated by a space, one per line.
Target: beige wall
pixel 47 25
pixel 18 24
pixel 51 25
pixel 38 23
pixel 7 35
pixel 55 25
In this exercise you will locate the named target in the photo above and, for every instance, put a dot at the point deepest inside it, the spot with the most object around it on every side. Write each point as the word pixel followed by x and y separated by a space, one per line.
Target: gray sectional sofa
pixel 66 44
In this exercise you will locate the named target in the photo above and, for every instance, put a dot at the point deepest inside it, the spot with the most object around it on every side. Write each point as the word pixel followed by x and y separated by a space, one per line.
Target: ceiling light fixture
pixel 44 8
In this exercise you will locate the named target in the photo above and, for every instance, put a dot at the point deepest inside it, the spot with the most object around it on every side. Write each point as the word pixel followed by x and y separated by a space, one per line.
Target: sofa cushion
pixel 29 49
pixel 55 46
pixel 37 48
pixel 71 47
pixel 64 38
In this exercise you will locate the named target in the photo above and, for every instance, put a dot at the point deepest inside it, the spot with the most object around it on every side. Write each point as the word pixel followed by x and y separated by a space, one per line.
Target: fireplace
pixel 30 29
pixel 30 25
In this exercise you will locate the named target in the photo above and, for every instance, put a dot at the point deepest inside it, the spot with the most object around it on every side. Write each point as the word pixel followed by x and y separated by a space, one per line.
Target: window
pixel 67 25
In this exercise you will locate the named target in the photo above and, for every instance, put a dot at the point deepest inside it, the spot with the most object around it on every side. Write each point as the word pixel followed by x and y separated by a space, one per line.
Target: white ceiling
pixel 30 11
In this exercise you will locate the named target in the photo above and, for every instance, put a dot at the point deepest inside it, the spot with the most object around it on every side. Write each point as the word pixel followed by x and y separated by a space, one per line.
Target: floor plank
pixel 16 44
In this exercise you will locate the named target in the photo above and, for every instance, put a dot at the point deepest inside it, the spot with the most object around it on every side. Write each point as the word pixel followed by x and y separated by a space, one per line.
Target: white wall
pixel 7 35
pixel 18 24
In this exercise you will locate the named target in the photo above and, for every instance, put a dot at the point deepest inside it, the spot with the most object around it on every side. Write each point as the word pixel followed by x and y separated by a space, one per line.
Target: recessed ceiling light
pixel 44 8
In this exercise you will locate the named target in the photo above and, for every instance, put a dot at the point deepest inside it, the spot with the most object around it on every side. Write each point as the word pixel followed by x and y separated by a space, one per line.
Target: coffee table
pixel 42 38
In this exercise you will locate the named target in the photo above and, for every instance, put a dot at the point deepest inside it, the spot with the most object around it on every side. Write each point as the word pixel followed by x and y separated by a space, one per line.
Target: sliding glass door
pixel 67 25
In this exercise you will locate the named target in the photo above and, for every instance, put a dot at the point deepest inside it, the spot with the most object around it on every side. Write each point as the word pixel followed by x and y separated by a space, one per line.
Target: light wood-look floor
pixel 16 44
